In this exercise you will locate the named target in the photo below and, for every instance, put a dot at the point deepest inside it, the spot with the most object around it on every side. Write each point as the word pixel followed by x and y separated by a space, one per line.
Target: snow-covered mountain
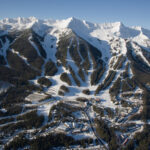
pixel 115 29
pixel 73 83
pixel 82 28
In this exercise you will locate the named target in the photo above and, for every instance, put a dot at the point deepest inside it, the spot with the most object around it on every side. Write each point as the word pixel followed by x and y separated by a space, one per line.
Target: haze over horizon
pixel 130 13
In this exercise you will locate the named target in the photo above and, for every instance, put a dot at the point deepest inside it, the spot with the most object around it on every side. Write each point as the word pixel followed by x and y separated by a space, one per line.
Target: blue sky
pixel 130 12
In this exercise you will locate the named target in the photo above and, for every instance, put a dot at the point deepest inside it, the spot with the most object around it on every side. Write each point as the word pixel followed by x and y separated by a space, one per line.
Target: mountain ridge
pixel 29 22
pixel 83 28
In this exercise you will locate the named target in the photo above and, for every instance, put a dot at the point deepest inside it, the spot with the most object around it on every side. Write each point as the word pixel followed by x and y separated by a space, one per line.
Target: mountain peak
pixel 66 23
pixel 19 23
pixel 18 20
pixel 80 27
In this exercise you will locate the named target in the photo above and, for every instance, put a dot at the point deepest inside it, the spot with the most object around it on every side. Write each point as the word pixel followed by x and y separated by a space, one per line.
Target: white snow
pixel 4 48
pixel 3 110
pixel 72 64
pixel 21 56
pixel 102 31
pixel 138 51
pixel 106 99
pixel 34 45
pixel 49 45
pixel 4 86
pixel 44 109
pixel 130 72
pixel 35 97
pixel 17 23
pixel 97 34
